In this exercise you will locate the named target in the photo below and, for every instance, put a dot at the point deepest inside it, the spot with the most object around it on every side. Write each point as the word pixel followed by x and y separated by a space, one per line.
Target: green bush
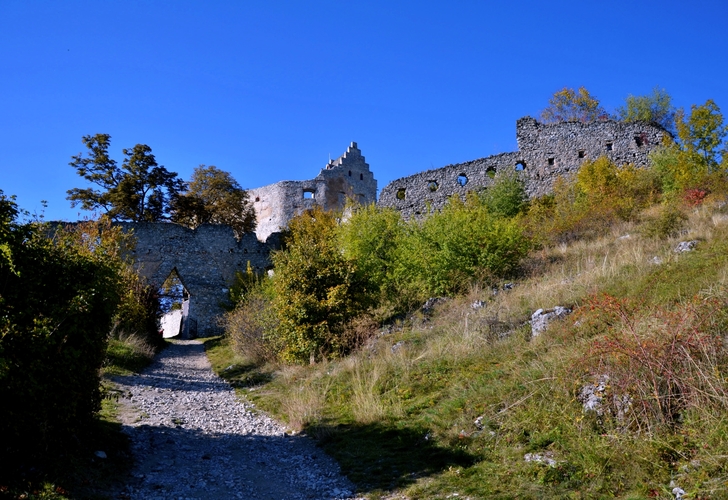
pixel 58 296
pixel 317 289
pixel 371 237
pixel 668 221
pixel 462 244
pixel 506 197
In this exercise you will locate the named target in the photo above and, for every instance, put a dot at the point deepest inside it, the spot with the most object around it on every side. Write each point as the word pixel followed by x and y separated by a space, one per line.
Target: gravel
pixel 193 438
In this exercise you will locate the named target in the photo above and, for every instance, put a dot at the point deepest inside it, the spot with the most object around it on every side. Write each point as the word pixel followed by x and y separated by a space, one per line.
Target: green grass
pixel 127 355
pixel 404 422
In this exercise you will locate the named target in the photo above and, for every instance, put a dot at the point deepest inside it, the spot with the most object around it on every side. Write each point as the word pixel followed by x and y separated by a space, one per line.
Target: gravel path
pixel 192 438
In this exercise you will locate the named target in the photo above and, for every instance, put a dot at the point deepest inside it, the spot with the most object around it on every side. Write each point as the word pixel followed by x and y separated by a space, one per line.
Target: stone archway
pixel 174 298
pixel 205 259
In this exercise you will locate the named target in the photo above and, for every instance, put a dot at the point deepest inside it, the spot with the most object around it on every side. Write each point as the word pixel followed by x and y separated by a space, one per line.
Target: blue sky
pixel 268 90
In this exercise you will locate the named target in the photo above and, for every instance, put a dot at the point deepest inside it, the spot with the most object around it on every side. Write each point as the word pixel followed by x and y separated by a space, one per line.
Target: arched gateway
pixel 205 259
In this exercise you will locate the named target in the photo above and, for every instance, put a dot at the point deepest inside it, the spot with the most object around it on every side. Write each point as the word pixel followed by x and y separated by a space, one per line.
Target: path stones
pixel 193 438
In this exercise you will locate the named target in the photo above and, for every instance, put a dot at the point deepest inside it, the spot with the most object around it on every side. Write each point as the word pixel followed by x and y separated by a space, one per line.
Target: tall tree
pixel 656 107
pixel 214 197
pixel 568 105
pixel 701 134
pixel 139 191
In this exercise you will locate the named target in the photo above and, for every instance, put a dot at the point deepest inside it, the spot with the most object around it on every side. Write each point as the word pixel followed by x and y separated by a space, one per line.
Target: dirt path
pixel 192 438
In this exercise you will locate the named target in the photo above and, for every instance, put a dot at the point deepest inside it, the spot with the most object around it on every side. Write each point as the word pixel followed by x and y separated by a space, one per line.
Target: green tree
pixel 139 191
pixel 568 105
pixel 701 134
pixel 656 107
pixel 317 290
pixel 214 197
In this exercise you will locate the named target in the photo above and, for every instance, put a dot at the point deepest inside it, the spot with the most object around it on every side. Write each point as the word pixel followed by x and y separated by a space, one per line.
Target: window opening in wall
pixel 349 173
pixel 309 195
pixel 257 198
pixel 639 141
pixel 582 153
pixel 610 146
pixel 520 166
pixel 551 161
pixel 401 194
pixel 490 172
pixel 432 186
pixel 361 177
pixel 462 179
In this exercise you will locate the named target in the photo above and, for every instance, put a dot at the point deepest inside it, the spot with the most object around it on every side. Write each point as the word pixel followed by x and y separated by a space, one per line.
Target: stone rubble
pixel 541 458
pixel 686 246
pixel 192 438
pixel 591 395
pixel 541 318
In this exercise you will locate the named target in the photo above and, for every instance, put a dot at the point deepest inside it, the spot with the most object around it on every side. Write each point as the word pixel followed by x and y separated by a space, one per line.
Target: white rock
pixel 686 246
pixel 541 318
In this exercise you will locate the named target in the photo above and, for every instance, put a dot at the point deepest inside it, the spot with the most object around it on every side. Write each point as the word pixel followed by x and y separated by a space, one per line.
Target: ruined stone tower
pixel 347 177
pixel 545 152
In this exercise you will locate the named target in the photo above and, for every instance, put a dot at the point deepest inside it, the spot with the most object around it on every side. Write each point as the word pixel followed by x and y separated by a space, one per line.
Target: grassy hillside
pixel 463 402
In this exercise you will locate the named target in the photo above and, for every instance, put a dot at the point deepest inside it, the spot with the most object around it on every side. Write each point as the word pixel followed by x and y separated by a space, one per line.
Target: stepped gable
pixel 347 177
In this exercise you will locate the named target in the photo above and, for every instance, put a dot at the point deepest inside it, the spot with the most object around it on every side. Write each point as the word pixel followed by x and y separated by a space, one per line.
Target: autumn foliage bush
pixel 600 195
pixel 660 362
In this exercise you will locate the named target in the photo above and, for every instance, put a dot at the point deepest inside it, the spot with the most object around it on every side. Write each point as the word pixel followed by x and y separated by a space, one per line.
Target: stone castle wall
pixel 347 177
pixel 545 152
pixel 205 258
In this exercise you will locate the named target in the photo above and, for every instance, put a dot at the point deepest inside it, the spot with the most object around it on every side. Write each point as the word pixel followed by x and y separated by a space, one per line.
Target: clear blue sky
pixel 268 90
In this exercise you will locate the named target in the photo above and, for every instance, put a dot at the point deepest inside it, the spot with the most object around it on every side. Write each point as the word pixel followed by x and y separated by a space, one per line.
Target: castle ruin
pixel 545 152
pixel 347 177
pixel 206 259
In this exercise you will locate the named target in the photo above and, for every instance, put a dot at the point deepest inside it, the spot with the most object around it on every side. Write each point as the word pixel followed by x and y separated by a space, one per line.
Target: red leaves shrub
pixel 660 362
pixel 695 197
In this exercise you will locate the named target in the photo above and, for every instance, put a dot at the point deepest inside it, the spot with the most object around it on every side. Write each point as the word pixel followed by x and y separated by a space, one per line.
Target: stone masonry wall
pixel 205 259
pixel 347 177
pixel 545 152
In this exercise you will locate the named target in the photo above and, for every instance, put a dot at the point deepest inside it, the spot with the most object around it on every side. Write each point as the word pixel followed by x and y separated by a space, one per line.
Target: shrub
pixel 251 326
pixel 462 244
pixel 138 309
pixel 371 238
pixel 660 362
pixel 588 205
pixel 58 299
pixel 668 221
pixel 506 197
pixel 317 290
